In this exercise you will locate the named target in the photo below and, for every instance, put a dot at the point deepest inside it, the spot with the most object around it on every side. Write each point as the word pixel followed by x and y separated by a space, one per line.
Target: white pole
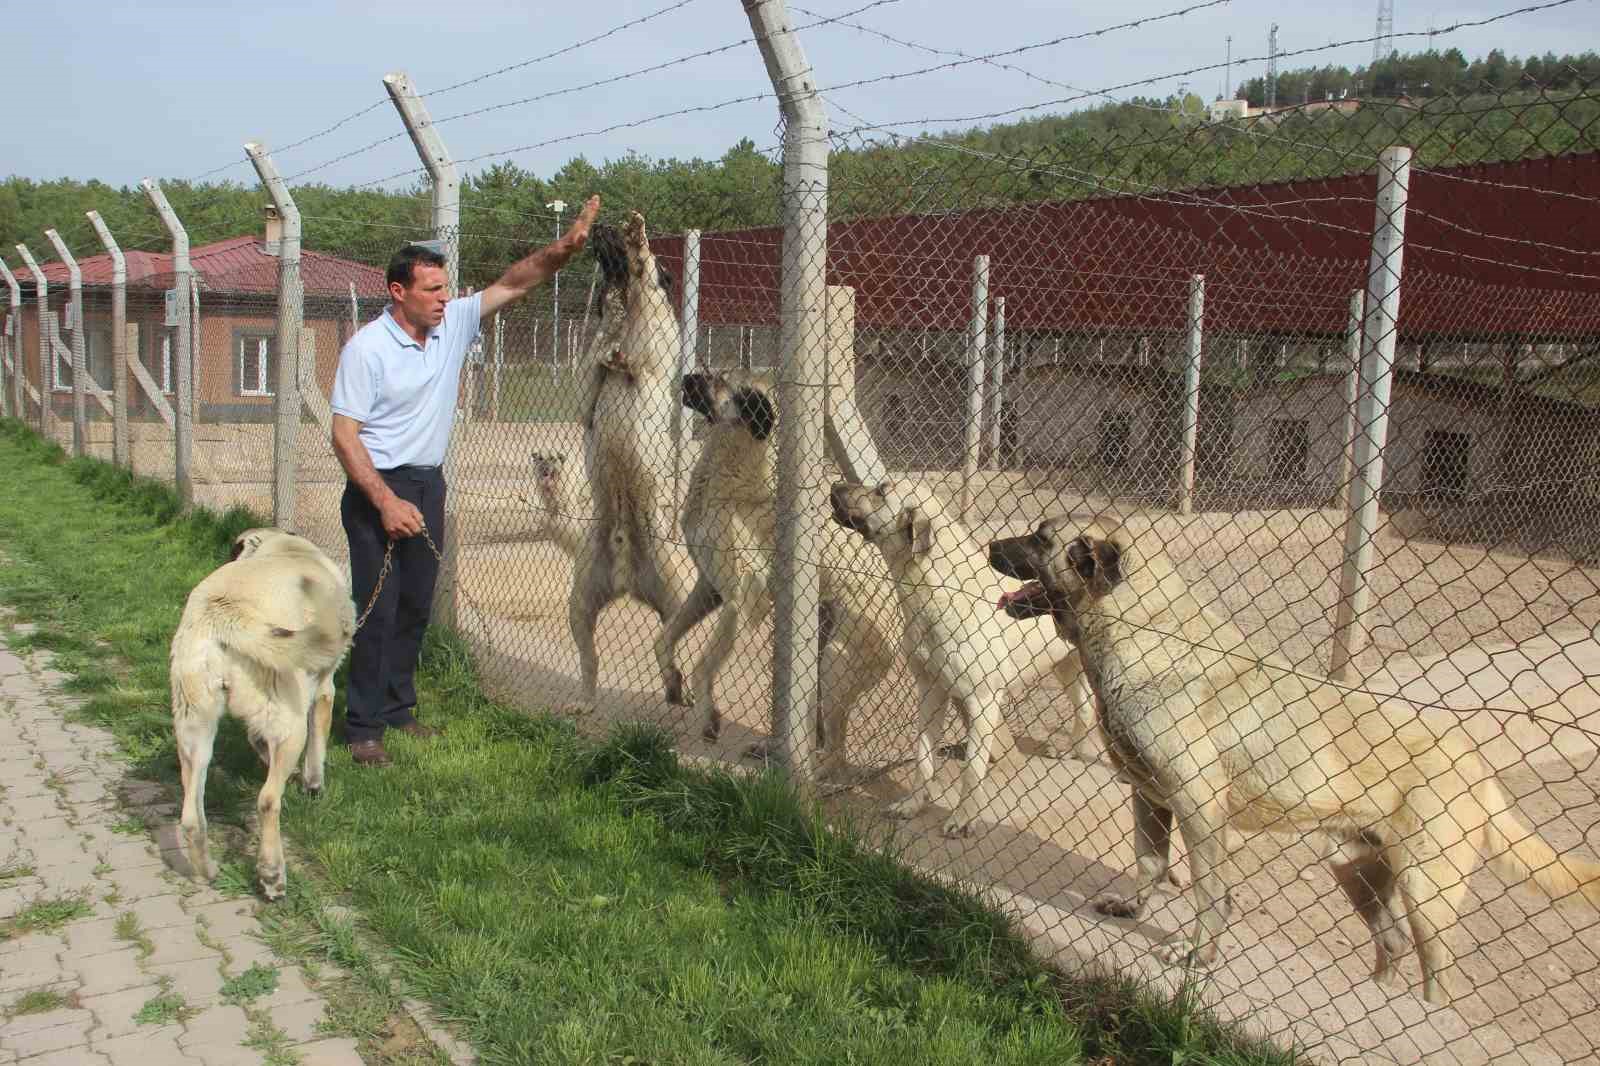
pixel 41 293
pixel 977 343
pixel 803 376
pixel 1350 634
pixel 121 452
pixel 499 365
pixel 688 344
pixel 559 206
pixel 997 379
pixel 1352 388
pixel 14 341
pixel 291 321
pixel 183 415
pixel 446 229
pixel 1191 394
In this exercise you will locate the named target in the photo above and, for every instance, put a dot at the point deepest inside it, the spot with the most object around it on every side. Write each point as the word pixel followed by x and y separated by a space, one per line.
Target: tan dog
pixel 959 648
pixel 1214 736
pixel 260 638
pixel 728 520
pixel 626 549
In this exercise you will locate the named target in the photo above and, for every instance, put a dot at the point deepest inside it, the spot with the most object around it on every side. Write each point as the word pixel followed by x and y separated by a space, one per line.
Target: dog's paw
pixel 673 690
pixel 273 884
pixel 1114 906
pixel 1181 952
pixel 959 825
pixel 760 751
pixel 713 726
pixel 909 807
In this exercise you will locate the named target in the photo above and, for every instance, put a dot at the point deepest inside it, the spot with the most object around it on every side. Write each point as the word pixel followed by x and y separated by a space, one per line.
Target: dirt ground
pixel 1504 644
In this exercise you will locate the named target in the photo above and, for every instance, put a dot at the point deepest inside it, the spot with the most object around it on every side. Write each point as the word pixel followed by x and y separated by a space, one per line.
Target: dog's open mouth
pixel 1029 601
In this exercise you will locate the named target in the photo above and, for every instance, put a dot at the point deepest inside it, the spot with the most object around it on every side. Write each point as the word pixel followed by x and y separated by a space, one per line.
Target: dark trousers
pixel 383 660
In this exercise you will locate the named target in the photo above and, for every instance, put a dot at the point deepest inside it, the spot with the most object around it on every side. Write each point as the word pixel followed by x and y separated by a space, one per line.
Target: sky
pixel 120 91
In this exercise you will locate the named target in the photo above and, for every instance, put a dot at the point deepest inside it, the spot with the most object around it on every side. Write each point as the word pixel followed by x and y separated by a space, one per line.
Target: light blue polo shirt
pixel 404 393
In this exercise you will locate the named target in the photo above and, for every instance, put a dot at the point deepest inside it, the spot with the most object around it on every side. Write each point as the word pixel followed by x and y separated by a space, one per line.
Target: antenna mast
pixel 1272 67
pixel 1383 37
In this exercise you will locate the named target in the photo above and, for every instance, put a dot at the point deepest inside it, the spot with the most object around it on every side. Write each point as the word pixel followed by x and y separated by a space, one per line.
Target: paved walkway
pixel 61 795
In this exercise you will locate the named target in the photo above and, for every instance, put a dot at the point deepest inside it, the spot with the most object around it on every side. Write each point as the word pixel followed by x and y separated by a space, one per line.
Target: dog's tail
pixel 1518 853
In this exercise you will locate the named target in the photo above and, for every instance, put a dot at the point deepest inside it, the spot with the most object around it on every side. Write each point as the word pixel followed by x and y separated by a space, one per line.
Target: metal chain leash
pixel 388 564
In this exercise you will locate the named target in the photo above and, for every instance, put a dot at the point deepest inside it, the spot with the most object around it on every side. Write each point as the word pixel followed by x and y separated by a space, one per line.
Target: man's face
pixel 422 302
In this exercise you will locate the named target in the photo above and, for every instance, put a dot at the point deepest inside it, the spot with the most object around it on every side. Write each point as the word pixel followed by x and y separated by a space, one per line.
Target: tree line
pixel 1453 111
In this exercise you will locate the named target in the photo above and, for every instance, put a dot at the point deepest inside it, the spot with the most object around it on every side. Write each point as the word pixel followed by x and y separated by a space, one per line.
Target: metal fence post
pixel 80 371
pixel 688 344
pixel 977 343
pixel 446 229
pixel 1191 393
pixel 13 341
pixel 997 379
pixel 1350 633
pixel 183 413
pixel 41 293
pixel 291 319
pixel 1352 388
pixel 121 453
pixel 803 341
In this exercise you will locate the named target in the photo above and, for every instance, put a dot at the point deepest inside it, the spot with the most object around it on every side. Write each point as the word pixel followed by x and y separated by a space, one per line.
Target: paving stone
pixel 243 952
pixel 31 968
pixel 220 1023
pixel 18 894
pixel 141 884
pixel 114 1012
pixel 78 1056
pixel 292 988
pixel 150 1045
pixel 86 939
pixel 23 1024
pixel 227 918
pixel 161 912
pixel 110 973
pixel 340 1051
pixel 66 852
pixel 178 944
pixel 129 853
pixel 221 1055
pixel 27 809
pixel 39 1041
pixel 198 981
pixel 299 1020
pixel 459 1052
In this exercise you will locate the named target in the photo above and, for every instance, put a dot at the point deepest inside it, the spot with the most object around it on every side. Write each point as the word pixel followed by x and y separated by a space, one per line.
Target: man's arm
pixel 539 267
pixel 400 518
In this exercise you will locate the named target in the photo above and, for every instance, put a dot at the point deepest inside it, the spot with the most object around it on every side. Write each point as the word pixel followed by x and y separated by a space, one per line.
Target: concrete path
pixel 136 978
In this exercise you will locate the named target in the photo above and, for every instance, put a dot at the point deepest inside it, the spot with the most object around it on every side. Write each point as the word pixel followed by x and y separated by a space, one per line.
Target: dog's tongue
pixel 1025 593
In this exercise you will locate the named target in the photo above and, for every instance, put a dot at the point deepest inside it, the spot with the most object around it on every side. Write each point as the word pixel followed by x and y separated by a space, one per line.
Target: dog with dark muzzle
pixel 1213 736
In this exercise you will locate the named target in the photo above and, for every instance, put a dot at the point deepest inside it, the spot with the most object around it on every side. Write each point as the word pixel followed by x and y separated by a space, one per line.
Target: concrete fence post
pixel 14 342
pixel 291 319
pixel 80 371
pixel 121 450
pixel 446 183
pixel 801 479
pixel 1352 388
pixel 997 379
pixel 182 356
pixel 41 294
pixel 1350 632
pixel 977 344
pixel 1191 394
pixel 688 344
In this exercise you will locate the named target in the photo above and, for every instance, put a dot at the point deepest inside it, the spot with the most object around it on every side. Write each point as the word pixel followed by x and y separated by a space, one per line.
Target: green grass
pixel 45 916
pixel 252 984
pixel 128 929
pixel 38 1001
pixel 15 872
pixel 562 901
pixel 164 1009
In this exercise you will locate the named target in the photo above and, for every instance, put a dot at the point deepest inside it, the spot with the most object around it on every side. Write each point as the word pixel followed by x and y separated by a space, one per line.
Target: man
pixel 394 401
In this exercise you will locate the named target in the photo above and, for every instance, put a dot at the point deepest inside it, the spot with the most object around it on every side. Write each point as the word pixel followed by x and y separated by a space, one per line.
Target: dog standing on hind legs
pixel 1212 736
pixel 260 638
pixel 627 456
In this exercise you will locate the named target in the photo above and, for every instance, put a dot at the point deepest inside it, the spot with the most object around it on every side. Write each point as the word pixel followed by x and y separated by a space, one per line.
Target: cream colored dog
pixel 260 638
pixel 957 645
pixel 1214 736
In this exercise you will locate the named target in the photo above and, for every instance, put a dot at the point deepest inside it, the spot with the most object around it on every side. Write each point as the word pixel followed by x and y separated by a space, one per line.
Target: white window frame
pixel 57 384
pixel 91 348
pixel 264 384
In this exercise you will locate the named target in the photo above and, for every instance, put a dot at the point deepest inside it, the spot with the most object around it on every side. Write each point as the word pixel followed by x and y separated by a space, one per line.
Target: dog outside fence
pixel 1216 358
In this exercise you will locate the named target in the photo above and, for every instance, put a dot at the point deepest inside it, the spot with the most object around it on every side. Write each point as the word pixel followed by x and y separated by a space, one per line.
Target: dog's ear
pixel 757 412
pixel 664 278
pixel 919 530
pixel 699 394
pixel 1080 553
pixel 238 548
pixel 1108 564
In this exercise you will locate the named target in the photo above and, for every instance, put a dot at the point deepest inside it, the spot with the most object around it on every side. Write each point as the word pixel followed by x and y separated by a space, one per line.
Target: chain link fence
pixel 1342 397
